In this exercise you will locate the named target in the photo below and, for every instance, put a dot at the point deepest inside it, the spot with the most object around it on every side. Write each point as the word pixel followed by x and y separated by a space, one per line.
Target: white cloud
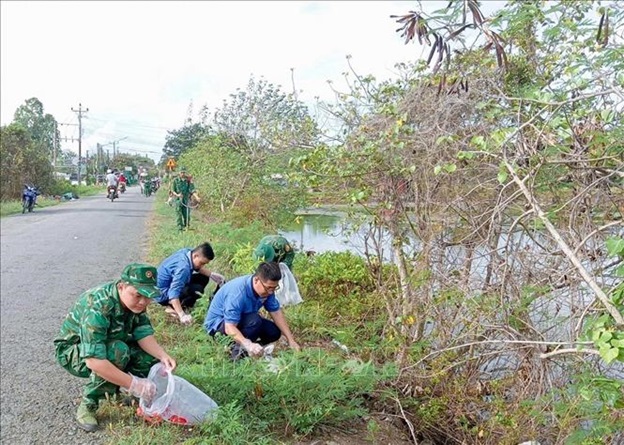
pixel 137 65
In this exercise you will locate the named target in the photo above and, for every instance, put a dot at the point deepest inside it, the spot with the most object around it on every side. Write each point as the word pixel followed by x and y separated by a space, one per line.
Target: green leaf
pixel 479 142
pixel 444 139
pixel 437 169
pixel 609 354
pixel 607 116
pixel 465 155
pixel 605 337
pixel 618 343
pixel 450 168
pixel 615 246
pixel 502 177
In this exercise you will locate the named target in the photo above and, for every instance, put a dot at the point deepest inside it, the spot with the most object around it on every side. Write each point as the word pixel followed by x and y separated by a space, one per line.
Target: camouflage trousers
pixel 183 213
pixel 128 357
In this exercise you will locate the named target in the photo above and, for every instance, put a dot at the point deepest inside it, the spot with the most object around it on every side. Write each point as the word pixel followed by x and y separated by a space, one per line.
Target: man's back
pixel 111 179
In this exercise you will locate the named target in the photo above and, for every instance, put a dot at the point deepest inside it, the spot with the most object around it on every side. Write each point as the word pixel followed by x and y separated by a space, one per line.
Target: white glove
pixel 217 278
pixel 186 319
pixel 254 349
pixel 143 389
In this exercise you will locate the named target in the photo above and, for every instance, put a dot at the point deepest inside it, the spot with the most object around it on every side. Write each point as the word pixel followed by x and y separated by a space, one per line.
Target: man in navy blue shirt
pixel 234 311
pixel 182 279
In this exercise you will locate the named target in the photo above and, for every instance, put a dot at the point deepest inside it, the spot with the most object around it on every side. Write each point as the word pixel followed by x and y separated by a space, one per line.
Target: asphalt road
pixel 47 259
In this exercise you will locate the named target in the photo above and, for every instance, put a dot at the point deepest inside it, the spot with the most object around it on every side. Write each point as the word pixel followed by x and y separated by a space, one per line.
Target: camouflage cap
pixel 182 169
pixel 142 277
pixel 264 252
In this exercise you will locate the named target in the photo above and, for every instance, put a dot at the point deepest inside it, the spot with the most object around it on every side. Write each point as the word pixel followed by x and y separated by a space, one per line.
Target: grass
pixel 14 206
pixel 318 388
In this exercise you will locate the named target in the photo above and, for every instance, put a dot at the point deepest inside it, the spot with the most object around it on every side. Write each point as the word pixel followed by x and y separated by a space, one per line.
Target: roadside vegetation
pixel 495 169
pixel 58 189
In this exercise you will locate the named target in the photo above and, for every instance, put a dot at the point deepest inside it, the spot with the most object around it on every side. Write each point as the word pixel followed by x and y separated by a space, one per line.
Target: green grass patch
pixel 14 206
pixel 302 392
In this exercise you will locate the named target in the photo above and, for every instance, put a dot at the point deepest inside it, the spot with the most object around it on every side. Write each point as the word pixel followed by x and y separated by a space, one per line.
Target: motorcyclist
pixel 122 182
pixel 111 181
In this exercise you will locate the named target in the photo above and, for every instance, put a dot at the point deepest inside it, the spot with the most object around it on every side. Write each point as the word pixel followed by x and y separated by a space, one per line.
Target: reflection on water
pixel 332 233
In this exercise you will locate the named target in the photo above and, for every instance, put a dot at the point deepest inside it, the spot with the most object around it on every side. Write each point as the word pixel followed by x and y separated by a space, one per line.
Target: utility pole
pixel 56 146
pixel 80 110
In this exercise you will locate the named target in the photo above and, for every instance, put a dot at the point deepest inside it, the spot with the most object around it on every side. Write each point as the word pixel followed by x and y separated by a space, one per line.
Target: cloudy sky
pixel 138 65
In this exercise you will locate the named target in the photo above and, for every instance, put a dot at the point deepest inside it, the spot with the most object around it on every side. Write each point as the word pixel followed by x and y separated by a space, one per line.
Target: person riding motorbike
pixel 111 183
pixel 122 182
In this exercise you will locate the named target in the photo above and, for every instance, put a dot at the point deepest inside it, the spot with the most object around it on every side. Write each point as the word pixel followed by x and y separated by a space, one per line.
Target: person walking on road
pixel 275 248
pixel 182 188
pixel 182 279
pixel 234 312
pixel 108 338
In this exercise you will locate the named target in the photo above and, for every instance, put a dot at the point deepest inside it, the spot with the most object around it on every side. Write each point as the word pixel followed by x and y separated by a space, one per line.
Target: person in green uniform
pixel 108 338
pixel 147 187
pixel 275 248
pixel 182 188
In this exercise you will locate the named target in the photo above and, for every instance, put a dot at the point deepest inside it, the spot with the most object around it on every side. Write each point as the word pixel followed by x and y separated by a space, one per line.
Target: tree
pixel 266 119
pixel 502 171
pixel 183 139
pixel 43 128
pixel 22 162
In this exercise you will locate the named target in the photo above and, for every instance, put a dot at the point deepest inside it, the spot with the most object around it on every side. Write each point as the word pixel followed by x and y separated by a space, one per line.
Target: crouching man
pixel 234 310
pixel 108 338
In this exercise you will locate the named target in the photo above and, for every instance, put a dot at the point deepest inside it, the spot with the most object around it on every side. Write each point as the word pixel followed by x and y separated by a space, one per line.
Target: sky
pixel 137 66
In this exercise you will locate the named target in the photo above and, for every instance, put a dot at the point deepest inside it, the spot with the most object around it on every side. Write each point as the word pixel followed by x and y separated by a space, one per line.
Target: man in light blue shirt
pixel 182 279
pixel 234 311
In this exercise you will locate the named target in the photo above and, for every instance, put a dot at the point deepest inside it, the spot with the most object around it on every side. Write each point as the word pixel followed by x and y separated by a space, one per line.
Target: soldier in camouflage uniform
pixel 275 248
pixel 108 338
pixel 182 188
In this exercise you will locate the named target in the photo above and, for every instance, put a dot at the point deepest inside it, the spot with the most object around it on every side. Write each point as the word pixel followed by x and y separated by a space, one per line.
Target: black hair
pixel 205 249
pixel 268 271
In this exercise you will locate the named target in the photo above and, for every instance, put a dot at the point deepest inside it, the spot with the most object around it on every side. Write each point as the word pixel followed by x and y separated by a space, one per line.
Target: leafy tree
pixel 262 119
pixel 43 128
pixel 183 139
pixel 22 162
pixel 502 172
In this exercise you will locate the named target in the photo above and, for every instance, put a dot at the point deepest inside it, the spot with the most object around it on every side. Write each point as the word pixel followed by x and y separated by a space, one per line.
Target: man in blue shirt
pixel 182 279
pixel 234 311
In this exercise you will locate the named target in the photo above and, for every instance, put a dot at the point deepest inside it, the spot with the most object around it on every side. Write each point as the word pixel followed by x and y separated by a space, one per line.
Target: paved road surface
pixel 47 259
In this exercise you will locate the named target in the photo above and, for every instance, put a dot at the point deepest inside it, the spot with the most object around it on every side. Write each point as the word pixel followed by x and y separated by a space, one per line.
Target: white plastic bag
pixel 288 292
pixel 176 400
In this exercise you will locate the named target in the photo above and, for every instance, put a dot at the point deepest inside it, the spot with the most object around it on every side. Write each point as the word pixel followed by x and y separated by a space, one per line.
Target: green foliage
pixel 344 274
pixel 179 141
pixel 21 161
pixel 262 119
pixel 309 389
pixel 601 329
pixel 235 185
pixel 41 127
pixel 588 410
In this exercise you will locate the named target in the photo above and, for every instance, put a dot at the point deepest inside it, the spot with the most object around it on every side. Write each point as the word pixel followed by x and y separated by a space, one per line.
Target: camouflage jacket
pixel 184 187
pixel 98 317
pixel 284 253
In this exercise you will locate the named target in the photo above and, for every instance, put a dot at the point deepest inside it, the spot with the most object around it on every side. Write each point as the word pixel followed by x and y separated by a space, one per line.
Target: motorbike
pixel 111 193
pixel 29 198
pixel 122 187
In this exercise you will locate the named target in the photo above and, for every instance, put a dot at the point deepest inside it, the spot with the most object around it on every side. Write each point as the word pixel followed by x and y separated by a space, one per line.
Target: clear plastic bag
pixel 176 400
pixel 288 292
